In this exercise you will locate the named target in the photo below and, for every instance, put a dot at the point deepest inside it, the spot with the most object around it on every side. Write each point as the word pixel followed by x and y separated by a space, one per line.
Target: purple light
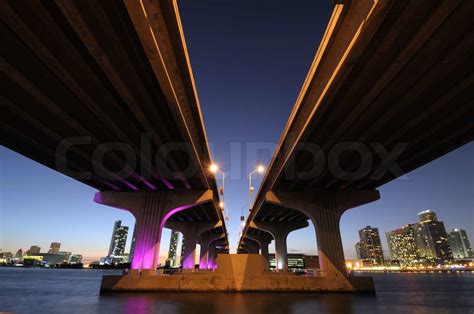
pixel 133 187
pixel 110 185
pixel 168 184
pixel 146 248
pixel 148 184
pixel 211 265
pixel 188 262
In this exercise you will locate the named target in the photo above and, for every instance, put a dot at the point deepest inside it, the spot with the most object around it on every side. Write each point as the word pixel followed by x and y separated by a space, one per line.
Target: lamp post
pixel 259 169
pixel 214 168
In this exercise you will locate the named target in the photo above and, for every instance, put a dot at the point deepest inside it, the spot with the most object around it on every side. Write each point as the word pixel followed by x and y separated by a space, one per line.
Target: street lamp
pixel 259 169
pixel 214 168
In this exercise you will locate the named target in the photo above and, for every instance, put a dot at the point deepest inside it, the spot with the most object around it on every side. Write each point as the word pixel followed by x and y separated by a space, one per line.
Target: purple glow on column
pixel 145 251
pixel 203 264
pixel 211 265
pixel 188 262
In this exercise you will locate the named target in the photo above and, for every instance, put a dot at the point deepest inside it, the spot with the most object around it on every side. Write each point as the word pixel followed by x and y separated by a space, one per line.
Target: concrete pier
pixel 235 273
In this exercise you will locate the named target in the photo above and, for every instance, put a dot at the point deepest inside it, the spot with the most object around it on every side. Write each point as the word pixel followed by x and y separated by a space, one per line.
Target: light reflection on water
pixel 77 291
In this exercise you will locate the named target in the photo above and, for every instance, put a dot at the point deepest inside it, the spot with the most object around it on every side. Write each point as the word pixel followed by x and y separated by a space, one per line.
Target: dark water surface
pixel 24 290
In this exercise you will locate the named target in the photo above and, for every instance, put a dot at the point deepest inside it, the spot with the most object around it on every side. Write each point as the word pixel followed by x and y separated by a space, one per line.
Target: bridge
pixel 103 92
pixel 389 90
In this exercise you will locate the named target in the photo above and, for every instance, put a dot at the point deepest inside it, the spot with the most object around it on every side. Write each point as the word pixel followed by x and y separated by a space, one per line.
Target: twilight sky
pixel 249 60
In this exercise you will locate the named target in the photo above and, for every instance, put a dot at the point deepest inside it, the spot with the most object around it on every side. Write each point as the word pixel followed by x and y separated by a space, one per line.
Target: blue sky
pixel 249 60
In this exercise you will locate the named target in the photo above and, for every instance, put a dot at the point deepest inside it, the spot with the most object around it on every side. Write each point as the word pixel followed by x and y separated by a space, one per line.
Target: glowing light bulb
pixel 214 168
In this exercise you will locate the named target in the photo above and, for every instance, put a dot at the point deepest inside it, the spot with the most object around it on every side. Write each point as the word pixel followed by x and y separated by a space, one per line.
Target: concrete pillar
pixel 191 231
pixel 151 210
pixel 264 240
pixel 211 261
pixel 211 257
pixel 204 241
pixel 254 247
pixel 279 231
pixel 325 209
pixel 248 248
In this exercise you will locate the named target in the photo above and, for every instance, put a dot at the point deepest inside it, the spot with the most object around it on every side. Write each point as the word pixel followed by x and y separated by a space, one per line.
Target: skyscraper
pixel 427 215
pixel 359 253
pixel 431 238
pixel 54 248
pixel 19 253
pixel 460 245
pixel 119 239
pixel 183 248
pixel 369 246
pixel 401 243
pixel 132 244
pixel 34 249
pixel 173 249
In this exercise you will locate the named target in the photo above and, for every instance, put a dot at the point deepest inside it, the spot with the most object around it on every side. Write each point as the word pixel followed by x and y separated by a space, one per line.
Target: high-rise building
pixel 431 238
pixel 132 244
pixel 173 249
pixel 369 247
pixel 401 243
pixel 54 248
pixel 460 245
pixel 19 253
pixel 359 253
pixel 119 239
pixel 183 248
pixel 427 215
pixel 34 249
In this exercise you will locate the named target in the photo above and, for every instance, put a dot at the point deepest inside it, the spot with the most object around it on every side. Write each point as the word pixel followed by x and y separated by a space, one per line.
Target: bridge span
pixel 389 90
pixel 103 92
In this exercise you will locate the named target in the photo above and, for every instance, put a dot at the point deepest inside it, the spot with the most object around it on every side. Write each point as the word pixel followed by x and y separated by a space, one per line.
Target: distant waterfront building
pixel 54 248
pixel 173 248
pixel 460 245
pixel 19 253
pixel 34 249
pixel 76 259
pixel 401 243
pixel 48 258
pixel 297 261
pixel 132 244
pixel 369 247
pixel 119 239
pixel 431 238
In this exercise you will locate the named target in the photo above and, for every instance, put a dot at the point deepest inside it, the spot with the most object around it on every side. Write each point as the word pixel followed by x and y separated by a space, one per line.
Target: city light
pixel 260 169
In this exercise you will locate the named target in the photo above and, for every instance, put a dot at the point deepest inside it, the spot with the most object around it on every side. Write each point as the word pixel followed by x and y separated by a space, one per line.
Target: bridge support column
pixel 325 209
pixel 264 240
pixel 204 241
pixel 191 231
pixel 211 256
pixel 151 210
pixel 279 231
pixel 253 246
pixel 249 248
pixel 211 262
